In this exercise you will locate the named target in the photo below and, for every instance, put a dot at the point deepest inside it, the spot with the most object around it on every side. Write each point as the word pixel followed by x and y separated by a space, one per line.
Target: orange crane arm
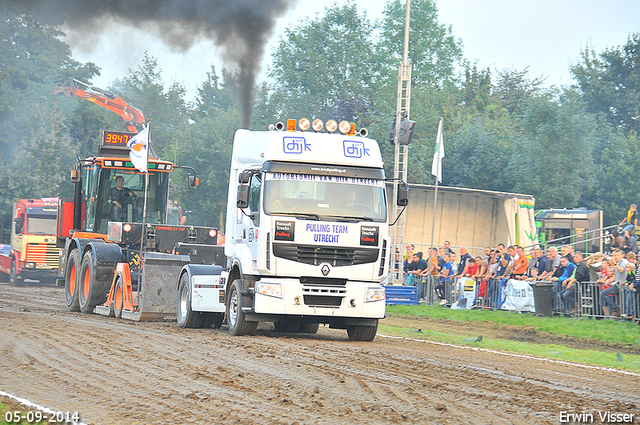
pixel 110 101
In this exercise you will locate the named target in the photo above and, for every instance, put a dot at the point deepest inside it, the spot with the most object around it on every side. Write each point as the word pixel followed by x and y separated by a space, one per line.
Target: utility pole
pixel 401 153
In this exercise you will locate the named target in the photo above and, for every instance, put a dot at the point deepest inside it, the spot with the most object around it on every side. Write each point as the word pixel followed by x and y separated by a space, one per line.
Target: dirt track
pixel 118 372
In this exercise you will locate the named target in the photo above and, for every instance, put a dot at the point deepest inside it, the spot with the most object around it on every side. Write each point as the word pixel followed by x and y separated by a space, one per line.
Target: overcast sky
pixel 544 35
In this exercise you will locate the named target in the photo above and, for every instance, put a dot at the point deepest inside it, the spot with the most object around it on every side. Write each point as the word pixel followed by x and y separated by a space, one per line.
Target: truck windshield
pixel 350 198
pixel 41 222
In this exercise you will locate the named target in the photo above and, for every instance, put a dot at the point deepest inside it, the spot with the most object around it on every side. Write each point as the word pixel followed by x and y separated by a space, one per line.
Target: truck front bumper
pixel 290 297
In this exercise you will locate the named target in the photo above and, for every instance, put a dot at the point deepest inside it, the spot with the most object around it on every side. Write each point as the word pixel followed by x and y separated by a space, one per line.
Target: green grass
pixel 549 351
pixel 608 331
pixel 3 415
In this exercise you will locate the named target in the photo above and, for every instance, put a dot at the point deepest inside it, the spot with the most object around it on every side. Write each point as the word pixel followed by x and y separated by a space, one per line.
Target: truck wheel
pixel 92 291
pixel 187 318
pixel 118 298
pixel 236 320
pixel 14 278
pixel 309 328
pixel 362 333
pixel 71 281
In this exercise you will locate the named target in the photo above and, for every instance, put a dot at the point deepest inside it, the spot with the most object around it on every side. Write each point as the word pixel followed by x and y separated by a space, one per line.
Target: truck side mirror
pixel 403 195
pixel 19 223
pixel 243 196
pixel 245 177
pixel 193 182
pixel 75 174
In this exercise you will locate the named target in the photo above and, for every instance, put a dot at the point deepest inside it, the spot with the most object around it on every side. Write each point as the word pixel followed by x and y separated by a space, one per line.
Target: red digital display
pixel 112 138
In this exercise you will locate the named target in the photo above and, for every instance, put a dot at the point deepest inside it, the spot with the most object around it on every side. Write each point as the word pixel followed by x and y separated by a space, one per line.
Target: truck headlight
pixel 374 294
pixel 269 289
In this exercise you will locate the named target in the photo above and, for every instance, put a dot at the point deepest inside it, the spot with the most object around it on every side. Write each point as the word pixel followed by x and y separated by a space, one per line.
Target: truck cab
pixel 307 232
pixel 33 253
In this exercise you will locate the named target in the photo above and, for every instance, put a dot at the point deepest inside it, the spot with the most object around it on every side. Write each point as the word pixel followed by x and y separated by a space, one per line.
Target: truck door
pixel 248 219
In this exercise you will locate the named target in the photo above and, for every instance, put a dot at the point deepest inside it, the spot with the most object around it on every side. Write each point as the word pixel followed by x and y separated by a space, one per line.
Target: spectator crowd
pixel 617 274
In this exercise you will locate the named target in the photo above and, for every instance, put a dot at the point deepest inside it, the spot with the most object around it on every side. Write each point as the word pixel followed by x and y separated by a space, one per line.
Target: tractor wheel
pixel 14 278
pixel 238 325
pixel 92 291
pixel 71 281
pixel 118 298
pixel 362 333
pixel 187 318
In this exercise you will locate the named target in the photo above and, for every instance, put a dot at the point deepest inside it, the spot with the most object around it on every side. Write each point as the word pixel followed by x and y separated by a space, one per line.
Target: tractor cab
pixel 112 189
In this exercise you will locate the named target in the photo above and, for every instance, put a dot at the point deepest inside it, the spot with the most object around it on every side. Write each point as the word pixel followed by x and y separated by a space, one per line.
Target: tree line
pixel 570 146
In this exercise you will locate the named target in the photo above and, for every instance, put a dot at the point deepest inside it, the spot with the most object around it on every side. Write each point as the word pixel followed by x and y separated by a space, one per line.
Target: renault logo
pixel 325 270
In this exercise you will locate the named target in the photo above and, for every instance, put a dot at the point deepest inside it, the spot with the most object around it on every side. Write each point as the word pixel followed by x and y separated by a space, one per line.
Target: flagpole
pixel 438 163
pixel 144 207
pixel 433 222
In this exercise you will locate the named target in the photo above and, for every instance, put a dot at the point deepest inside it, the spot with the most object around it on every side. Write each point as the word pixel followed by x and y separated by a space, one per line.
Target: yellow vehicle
pixel 33 253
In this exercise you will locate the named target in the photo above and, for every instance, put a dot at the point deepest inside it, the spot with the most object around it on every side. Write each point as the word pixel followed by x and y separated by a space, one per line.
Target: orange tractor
pixel 119 256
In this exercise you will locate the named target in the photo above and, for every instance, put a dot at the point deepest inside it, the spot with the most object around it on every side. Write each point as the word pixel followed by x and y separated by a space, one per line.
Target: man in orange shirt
pixel 520 263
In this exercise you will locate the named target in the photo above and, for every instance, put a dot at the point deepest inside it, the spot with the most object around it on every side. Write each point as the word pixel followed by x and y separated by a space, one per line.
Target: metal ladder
pixel 400 164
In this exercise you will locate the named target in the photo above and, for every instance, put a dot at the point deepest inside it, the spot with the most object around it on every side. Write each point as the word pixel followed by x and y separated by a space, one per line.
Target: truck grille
pixel 323 296
pixel 316 255
pixel 42 253
pixel 320 301
pixel 306 280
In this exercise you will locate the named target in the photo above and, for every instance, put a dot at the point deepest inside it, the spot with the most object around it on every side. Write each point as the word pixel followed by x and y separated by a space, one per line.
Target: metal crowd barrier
pixel 490 295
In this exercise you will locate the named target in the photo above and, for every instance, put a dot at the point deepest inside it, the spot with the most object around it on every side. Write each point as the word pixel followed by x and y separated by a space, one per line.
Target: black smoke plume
pixel 241 28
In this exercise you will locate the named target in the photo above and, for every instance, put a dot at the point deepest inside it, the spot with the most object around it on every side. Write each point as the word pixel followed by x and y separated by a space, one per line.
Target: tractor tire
pixel 14 278
pixel 118 298
pixel 187 318
pixel 92 291
pixel 362 333
pixel 71 281
pixel 238 325
pixel 309 328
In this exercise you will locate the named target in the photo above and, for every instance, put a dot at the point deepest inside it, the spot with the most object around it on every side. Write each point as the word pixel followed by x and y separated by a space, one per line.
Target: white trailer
pixel 306 232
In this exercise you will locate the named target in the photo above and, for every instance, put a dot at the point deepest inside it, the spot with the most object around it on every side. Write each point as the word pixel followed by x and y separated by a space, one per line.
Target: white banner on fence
pixel 519 296
pixel 464 293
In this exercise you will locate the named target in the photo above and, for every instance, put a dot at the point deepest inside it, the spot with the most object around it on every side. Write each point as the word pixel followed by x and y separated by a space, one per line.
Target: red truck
pixel 33 253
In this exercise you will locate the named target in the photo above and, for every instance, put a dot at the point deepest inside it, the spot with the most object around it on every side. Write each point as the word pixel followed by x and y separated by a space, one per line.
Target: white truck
pixel 306 234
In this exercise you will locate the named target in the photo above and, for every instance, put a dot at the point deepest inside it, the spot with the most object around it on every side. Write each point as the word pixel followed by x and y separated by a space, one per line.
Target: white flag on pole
pixel 138 146
pixel 436 166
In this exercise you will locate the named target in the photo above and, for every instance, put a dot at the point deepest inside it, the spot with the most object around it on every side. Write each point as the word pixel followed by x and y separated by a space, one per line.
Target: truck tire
pixel 238 325
pixel 91 290
pixel 118 298
pixel 71 281
pixel 362 333
pixel 309 328
pixel 14 278
pixel 187 318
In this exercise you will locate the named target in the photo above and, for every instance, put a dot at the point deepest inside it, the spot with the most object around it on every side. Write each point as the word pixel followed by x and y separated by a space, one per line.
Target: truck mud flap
pixel 158 295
